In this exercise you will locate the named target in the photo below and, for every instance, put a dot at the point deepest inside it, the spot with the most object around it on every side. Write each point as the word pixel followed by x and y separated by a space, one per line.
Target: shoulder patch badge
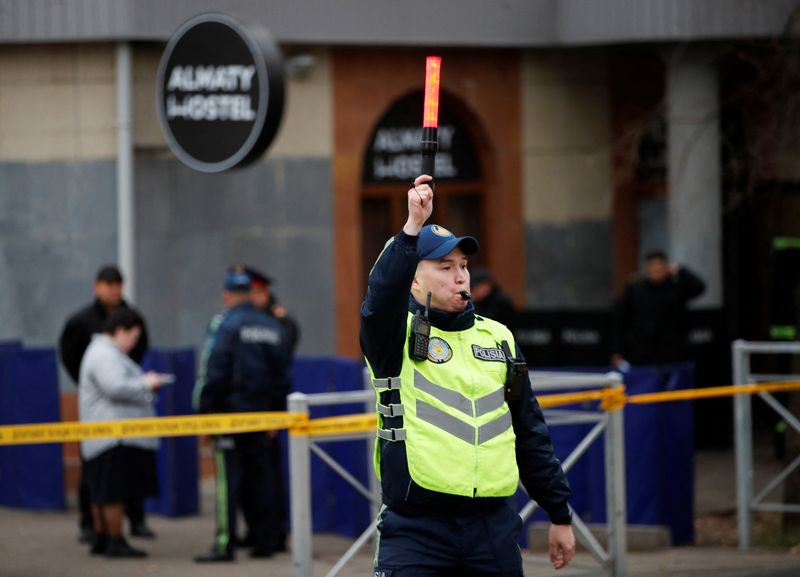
pixel 439 351
pixel 483 354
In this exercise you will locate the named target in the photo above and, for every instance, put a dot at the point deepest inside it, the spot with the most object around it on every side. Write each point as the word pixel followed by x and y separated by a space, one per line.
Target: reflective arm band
pixel 392 434
pixel 391 410
pixel 389 383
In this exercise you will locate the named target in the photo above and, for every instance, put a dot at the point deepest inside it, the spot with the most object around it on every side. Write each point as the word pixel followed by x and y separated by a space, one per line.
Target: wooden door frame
pixel 365 84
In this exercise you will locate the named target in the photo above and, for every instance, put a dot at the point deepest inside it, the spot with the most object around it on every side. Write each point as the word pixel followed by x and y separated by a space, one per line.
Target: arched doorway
pixel 392 161
pixel 483 88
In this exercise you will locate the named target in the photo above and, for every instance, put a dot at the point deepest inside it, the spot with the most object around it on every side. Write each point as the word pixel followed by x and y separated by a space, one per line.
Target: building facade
pixel 579 134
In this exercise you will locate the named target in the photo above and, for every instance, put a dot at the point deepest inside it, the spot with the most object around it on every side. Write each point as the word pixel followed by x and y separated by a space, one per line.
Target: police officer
pixel 246 369
pixel 263 298
pixel 458 423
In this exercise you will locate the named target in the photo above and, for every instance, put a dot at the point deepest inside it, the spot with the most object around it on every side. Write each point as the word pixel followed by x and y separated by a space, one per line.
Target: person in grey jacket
pixel 113 387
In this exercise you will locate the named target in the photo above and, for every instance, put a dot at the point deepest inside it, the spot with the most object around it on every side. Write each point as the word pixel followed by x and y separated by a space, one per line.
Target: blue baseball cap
pixel 436 242
pixel 237 279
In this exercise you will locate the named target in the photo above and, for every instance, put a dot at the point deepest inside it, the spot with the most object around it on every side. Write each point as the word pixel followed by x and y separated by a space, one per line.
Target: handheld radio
pixel 516 374
pixel 420 333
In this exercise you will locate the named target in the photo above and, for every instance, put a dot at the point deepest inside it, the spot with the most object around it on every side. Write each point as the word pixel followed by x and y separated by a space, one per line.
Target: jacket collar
pixel 102 311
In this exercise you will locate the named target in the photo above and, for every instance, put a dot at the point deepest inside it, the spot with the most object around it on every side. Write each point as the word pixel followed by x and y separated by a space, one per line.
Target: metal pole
pixel 354 548
pixel 615 493
pixel 300 501
pixel 126 215
pixel 744 443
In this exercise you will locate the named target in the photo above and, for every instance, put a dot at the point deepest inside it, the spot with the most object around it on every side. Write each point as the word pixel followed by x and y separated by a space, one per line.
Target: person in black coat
pixel 75 338
pixel 489 299
pixel 651 318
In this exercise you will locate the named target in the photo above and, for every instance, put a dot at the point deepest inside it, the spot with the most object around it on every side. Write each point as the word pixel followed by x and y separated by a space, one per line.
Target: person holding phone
pixel 114 387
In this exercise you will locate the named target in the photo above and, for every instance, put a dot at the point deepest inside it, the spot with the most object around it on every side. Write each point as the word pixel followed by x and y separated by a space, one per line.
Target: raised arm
pixel 689 284
pixel 384 310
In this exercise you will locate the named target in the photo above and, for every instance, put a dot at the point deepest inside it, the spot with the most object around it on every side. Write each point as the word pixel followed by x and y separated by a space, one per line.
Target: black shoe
pixel 246 541
pixel 99 543
pixel 261 553
pixel 119 548
pixel 86 535
pixel 279 546
pixel 214 556
pixel 142 530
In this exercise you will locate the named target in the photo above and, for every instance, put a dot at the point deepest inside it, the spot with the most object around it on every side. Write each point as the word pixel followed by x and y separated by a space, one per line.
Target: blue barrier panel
pixel 177 459
pixel 659 456
pixel 335 505
pixel 676 447
pixel 31 476
pixel 6 346
pixel 659 451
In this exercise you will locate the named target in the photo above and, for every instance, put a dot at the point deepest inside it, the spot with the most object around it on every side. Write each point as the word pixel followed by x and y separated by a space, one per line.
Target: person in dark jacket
pixel 72 344
pixel 651 318
pixel 246 369
pixel 263 298
pixel 451 443
pixel 489 299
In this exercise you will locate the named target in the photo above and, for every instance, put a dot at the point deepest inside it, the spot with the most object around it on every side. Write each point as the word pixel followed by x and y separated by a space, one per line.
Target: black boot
pixel 279 544
pixel 86 535
pixel 118 547
pixel 99 543
pixel 141 529
pixel 261 552
pixel 215 556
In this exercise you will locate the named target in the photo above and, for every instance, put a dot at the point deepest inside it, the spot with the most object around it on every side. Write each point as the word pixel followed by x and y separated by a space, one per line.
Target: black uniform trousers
pixel 243 474
pixel 458 545
pixel 277 500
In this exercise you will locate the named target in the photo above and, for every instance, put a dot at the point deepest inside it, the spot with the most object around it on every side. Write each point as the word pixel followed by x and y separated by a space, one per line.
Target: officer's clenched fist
pixel 420 205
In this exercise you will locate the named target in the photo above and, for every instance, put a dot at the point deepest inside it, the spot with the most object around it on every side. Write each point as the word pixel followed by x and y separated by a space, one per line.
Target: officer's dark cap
pixel 257 277
pixel 109 274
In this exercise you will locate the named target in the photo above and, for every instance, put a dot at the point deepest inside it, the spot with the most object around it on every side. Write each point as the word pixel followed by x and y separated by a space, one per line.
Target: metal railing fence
pixel 746 503
pixel 613 559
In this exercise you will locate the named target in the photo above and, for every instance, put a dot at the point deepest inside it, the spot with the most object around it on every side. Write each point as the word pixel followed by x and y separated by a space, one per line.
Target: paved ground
pixel 44 545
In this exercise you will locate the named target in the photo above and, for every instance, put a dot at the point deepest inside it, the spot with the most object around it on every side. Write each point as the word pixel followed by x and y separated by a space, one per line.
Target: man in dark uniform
pixel 458 424
pixel 75 338
pixel 263 298
pixel 651 316
pixel 246 370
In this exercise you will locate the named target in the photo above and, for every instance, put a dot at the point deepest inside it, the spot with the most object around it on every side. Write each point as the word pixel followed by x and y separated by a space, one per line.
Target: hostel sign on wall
pixel 220 92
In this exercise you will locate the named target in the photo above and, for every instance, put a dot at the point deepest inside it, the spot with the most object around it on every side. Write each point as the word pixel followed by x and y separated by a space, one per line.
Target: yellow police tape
pixel 154 427
pixel 336 425
pixel 611 399
pixel 614 398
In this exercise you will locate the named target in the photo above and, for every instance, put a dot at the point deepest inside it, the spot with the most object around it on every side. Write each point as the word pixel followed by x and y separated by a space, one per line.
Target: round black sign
pixel 219 92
